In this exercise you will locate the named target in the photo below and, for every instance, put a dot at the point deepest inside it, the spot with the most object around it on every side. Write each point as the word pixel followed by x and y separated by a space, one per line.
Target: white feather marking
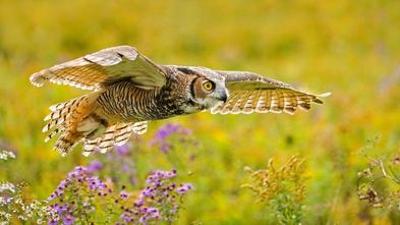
pixel 139 127
pixel 274 104
pixel 86 153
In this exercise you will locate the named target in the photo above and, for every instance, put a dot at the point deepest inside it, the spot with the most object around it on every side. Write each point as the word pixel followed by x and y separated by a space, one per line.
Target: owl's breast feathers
pixel 124 101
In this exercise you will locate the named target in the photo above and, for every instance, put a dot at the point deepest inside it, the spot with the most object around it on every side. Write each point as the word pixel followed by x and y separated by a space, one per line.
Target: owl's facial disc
pixel 208 93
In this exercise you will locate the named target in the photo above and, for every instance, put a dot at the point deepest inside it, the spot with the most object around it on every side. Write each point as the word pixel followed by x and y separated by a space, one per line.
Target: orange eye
pixel 208 86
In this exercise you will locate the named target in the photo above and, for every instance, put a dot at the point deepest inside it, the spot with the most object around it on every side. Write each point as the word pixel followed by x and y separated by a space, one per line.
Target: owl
pixel 128 90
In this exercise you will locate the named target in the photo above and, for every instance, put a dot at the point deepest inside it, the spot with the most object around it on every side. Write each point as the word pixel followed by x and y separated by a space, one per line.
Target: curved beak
pixel 223 97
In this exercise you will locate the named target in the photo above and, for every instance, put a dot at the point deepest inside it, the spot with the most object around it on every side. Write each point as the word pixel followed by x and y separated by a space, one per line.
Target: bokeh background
pixel 350 48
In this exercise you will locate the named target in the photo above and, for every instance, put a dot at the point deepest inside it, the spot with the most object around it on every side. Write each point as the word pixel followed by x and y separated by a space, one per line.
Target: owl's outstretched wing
pixel 250 92
pixel 98 69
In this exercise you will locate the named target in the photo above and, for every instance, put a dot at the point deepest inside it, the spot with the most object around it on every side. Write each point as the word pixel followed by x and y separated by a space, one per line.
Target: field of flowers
pixel 337 164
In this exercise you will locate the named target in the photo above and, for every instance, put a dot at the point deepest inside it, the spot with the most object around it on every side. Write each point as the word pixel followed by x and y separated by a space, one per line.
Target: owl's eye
pixel 208 86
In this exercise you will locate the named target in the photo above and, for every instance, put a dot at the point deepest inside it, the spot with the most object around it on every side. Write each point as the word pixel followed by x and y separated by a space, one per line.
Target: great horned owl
pixel 128 89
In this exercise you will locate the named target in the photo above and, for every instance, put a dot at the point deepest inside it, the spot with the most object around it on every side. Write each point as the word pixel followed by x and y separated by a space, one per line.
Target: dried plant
pixel 379 183
pixel 283 189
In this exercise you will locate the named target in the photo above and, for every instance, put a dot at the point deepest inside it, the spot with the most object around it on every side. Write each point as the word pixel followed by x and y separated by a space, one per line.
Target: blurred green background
pixel 350 48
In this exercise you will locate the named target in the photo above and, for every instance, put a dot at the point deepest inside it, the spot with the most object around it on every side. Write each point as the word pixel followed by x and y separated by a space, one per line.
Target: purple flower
pixel 148 192
pixel 184 188
pixel 165 147
pixel 68 219
pixel 79 174
pixel 94 166
pixel 123 195
pixel 79 177
pixel 166 131
pixel 63 212
pixel 139 202
pixel 126 217
pixel 160 193
pixel 148 214
pixel 158 175
pixel 161 136
pixel 123 150
pixel 52 222
pixel 96 184
pixel 5 199
pixel 60 208
pixel 159 201
pixel 121 161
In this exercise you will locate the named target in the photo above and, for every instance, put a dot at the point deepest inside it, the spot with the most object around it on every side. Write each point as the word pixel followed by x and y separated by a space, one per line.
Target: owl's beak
pixel 223 97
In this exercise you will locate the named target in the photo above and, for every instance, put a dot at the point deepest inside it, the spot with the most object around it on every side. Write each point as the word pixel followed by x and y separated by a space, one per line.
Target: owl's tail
pixel 74 120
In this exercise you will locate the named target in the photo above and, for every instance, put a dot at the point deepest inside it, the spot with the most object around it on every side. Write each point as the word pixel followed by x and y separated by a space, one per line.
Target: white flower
pixel 5 200
pixel 7 186
pixel 5 155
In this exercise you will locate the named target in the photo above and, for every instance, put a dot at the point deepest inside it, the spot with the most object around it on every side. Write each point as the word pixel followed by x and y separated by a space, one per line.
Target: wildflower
pixel 158 175
pixel 68 219
pixel 148 214
pixel 4 200
pixel 52 222
pixel 7 186
pixel 14 207
pixel 62 211
pixel 159 201
pixel 153 201
pixel 281 188
pixel 166 131
pixel 184 188
pixel 79 181
pixel 80 175
pixel 119 160
pixel 122 150
pixel 123 195
pixel 94 166
pixel 5 155
pixel 127 218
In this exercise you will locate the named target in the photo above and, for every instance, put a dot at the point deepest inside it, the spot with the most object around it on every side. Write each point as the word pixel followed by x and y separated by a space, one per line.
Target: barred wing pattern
pixel 250 92
pixel 95 70
pixel 117 134
pixel 63 114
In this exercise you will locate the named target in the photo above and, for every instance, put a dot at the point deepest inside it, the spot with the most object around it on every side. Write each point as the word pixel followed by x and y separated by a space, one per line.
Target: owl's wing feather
pixel 117 134
pixel 98 69
pixel 250 92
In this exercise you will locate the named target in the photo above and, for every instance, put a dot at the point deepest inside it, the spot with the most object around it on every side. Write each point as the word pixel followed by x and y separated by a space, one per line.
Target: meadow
pixel 336 164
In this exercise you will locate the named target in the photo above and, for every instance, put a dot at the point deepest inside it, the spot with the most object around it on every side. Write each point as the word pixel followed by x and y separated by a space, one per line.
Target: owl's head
pixel 206 89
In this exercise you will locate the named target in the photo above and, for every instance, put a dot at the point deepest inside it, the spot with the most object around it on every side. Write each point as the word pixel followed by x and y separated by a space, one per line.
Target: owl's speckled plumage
pixel 129 90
